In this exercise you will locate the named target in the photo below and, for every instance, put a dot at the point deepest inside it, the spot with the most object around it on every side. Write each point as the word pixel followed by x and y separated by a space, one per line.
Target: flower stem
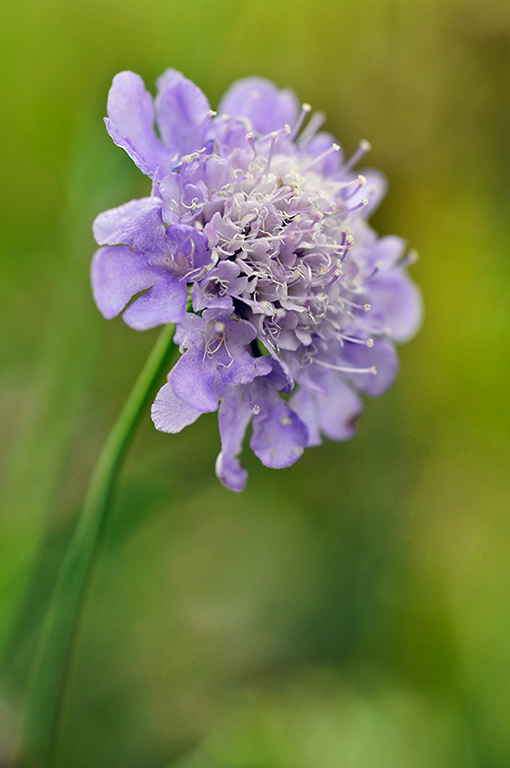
pixel 43 701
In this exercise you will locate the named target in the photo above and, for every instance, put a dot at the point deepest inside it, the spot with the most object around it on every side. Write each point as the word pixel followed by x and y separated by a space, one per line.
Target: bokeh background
pixel 351 611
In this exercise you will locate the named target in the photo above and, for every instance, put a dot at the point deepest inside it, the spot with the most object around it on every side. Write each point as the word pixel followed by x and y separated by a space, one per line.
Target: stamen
pixel 196 274
pixel 207 118
pixel 352 187
pixel 274 136
pixel 187 159
pixel 335 247
pixel 363 147
pixel 311 129
pixel 386 332
pixel 348 244
pixel 372 369
pixel 249 139
pixel 305 109
pixel 377 266
pixel 363 307
pixel 285 129
pixel 362 204
pixel 319 158
pixel 410 258
pixel 272 238
pixel 283 195
pixel 336 275
pixel 365 342
pixel 195 203
pixel 341 248
pixel 314 226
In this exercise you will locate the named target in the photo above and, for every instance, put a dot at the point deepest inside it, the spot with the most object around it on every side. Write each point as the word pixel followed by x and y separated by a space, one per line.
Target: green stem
pixel 51 662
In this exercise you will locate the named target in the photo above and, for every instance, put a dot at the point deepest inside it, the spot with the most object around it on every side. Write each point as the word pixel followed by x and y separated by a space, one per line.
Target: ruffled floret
pixel 140 253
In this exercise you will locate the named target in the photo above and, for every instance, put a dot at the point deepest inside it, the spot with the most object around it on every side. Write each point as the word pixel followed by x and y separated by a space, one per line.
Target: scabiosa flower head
pixel 254 242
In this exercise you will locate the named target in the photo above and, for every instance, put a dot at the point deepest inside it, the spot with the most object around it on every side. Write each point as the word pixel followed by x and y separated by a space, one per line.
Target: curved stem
pixel 53 653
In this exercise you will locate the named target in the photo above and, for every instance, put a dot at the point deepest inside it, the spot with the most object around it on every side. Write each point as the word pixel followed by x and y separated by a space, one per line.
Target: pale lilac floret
pixel 254 242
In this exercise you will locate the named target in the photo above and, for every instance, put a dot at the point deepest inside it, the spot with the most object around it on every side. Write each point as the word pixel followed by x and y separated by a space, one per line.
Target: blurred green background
pixel 351 611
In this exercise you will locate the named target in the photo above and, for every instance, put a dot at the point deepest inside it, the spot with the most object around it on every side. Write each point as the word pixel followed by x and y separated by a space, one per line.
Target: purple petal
pixel 193 381
pixel 130 121
pixel 117 274
pixel 397 298
pixel 280 377
pixel 180 107
pixel 233 417
pixel 164 303
pixel 238 366
pixel 333 413
pixel 135 224
pixel 279 436
pixel 218 286
pixel 189 248
pixel 239 331
pixel 339 409
pixel 189 330
pixel 216 173
pixel 302 402
pixel 389 250
pixel 229 134
pixel 228 358
pixel 169 413
pixel 267 107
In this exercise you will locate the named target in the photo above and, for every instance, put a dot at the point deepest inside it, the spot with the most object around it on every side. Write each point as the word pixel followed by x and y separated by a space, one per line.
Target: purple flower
pixel 255 243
